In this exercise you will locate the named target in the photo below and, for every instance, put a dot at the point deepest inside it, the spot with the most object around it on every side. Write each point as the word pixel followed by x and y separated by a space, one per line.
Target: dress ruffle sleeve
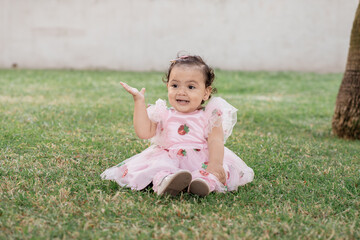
pixel 157 111
pixel 218 109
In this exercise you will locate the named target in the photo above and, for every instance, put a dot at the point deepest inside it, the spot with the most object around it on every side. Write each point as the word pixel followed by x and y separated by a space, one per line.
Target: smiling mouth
pixel 182 101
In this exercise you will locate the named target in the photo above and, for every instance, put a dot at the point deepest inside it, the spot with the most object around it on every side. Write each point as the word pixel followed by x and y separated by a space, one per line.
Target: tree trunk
pixel 346 119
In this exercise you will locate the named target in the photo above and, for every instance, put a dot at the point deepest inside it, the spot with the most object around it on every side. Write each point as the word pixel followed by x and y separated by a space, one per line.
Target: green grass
pixel 61 129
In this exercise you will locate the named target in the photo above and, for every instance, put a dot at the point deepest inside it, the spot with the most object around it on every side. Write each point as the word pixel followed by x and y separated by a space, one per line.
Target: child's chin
pixel 185 110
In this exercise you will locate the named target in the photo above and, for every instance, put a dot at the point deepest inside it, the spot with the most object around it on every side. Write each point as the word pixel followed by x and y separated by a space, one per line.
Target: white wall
pixel 300 35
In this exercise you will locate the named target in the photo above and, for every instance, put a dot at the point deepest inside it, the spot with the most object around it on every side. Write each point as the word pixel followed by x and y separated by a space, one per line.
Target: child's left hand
pixel 218 171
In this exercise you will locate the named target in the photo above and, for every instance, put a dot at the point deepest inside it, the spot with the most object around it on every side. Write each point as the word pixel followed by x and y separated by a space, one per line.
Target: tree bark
pixel 346 119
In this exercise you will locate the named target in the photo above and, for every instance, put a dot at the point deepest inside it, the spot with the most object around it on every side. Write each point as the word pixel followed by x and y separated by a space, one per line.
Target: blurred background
pixel 143 35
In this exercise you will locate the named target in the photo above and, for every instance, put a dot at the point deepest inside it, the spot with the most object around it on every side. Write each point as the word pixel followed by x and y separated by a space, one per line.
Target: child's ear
pixel 208 91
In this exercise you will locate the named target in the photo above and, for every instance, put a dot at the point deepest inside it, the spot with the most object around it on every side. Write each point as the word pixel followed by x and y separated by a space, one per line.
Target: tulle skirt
pixel 140 170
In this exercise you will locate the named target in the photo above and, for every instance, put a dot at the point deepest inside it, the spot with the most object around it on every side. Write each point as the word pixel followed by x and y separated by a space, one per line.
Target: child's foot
pixel 174 183
pixel 199 187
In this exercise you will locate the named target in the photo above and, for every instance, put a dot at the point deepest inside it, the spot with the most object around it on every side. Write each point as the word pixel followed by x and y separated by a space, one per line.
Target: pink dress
pixel 181 143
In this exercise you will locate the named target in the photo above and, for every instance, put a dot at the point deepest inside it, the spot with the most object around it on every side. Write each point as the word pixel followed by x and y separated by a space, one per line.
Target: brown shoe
pixel 199 187
pixel 173 184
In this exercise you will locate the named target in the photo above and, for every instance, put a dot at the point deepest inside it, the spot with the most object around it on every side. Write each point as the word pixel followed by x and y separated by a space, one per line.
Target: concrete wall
pixel 300 35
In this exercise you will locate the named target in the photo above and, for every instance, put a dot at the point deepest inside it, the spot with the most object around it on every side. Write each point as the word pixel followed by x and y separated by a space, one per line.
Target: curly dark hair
pixel 193 60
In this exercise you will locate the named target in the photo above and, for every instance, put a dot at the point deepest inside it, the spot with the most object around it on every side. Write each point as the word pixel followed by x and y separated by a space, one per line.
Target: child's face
pixel 186 88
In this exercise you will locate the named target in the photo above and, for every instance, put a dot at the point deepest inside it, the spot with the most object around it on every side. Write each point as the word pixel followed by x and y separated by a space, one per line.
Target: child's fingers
pixel 131 90
pixel 127 87
pixel 219 173
pixel 142 91
pixel 221 177
pixel 123 84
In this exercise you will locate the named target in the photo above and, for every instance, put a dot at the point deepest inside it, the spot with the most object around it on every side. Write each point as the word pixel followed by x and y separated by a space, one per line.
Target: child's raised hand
pixel 133 91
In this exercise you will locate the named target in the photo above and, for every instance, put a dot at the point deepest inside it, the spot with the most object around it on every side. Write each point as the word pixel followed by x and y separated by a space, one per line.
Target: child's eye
pixel 174 85
pixel 191 87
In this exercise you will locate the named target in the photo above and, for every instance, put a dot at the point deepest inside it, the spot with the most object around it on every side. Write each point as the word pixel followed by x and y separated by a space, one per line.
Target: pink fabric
pixel 181 143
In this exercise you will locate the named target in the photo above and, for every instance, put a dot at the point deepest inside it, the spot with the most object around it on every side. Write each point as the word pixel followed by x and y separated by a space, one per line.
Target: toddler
pixel 188 138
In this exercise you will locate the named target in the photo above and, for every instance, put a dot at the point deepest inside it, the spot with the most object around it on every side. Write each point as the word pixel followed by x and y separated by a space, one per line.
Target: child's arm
pixel 144 127
pixel 216 153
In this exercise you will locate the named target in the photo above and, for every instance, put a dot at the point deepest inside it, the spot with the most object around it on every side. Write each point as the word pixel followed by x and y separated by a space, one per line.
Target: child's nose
pixel 182 90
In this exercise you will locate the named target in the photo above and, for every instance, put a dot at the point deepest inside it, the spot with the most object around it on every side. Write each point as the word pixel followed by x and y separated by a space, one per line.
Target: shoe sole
pixel 180 181
pixel 199 187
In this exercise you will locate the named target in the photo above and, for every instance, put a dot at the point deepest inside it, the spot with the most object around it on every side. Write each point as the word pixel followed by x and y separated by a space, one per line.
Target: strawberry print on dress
pixel 204 173
pixel 125 172
pixel 183 129
pixel 217 112
pixel 181 152
pixel 204 165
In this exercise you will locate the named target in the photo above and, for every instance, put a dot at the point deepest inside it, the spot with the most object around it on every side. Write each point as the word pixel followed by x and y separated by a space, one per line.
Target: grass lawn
pixel 60 129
